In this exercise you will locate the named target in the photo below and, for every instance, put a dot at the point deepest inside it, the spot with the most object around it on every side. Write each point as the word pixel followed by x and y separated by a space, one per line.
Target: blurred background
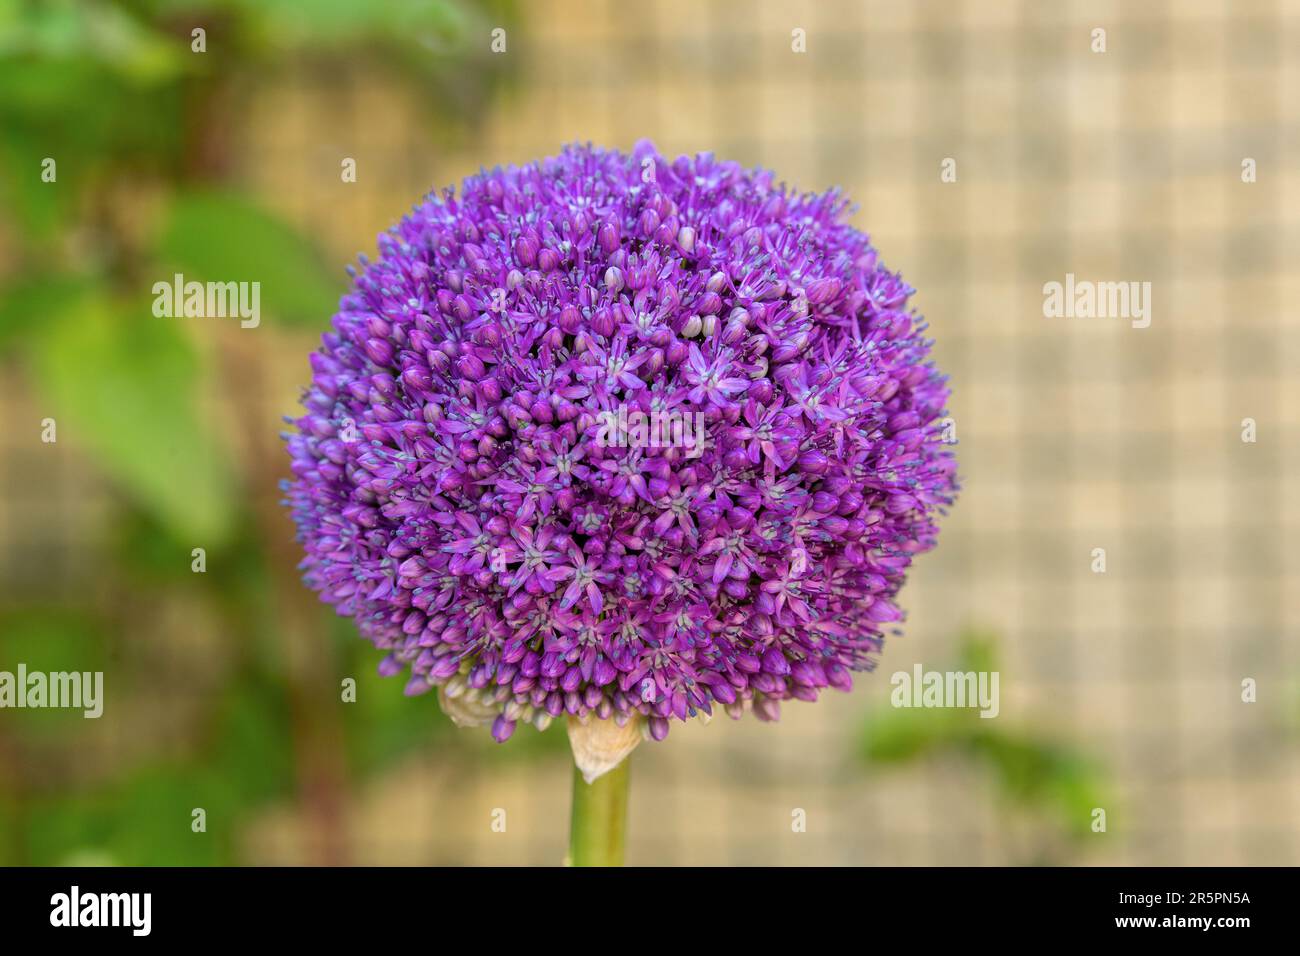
pixel 1120 690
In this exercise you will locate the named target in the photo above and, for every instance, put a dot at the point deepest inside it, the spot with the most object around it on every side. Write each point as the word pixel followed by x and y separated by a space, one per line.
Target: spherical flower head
pixel 617 436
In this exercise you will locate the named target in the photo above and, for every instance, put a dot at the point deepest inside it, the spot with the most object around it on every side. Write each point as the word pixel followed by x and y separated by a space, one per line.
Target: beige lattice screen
pixel 1074 434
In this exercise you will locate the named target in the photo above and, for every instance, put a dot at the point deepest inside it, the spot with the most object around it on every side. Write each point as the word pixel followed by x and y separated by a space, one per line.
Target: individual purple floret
pixel 621 435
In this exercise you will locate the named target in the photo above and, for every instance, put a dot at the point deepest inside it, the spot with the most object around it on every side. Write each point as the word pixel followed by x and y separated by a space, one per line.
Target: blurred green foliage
pixel 137 123
pixel 129 389
pixel 1031 771
pixel 210 234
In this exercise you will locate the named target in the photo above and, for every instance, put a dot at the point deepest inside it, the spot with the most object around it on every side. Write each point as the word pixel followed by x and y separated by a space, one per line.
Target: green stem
pixel 599 822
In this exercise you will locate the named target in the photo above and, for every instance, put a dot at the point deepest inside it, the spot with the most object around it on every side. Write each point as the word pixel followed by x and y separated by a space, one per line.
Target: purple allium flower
pixel 459 495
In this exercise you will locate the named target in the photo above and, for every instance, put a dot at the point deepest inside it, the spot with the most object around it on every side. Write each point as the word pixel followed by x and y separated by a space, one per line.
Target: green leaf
pixel 254 750
pixel 1039 773
pixel 39 208
pixel 215 237
pixel 899 736
pixel 1032 772
pixel 96 32
pixel 123 385
pixel 49 640
pixel 345 21
pixel 143 821
pixel 382 724
pixel 28 305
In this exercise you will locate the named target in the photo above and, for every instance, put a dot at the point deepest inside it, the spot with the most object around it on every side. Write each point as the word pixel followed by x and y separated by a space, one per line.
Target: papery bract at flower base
pixel 456 493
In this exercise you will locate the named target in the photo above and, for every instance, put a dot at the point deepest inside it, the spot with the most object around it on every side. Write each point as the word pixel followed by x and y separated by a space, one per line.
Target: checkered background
pixel 1074 434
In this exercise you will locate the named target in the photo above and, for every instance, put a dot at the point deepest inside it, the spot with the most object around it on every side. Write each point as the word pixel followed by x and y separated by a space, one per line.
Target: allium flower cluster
pixel 455 494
